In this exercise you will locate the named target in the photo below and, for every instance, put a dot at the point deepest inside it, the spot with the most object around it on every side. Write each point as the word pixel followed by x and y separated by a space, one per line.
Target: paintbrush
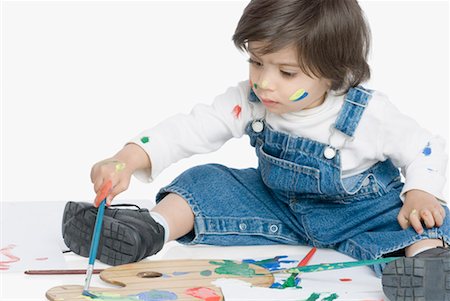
pixel 291 280
pixel 335 266
pixel 60 272
pixel 96 237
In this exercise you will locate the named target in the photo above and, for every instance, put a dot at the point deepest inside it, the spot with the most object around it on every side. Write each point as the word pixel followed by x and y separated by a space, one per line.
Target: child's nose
pixel 265 83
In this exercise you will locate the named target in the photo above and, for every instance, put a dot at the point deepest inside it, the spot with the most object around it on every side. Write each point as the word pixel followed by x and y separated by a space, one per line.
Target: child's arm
pixel 119 169
pixel 423 159
pixel 205 129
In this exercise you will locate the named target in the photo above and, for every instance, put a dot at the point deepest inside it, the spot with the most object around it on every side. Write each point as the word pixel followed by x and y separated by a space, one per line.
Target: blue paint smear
pixel 180 273
pixel 427 150
pixel 270 264
pixel 155 295
pixel 276 285
pixel 301 97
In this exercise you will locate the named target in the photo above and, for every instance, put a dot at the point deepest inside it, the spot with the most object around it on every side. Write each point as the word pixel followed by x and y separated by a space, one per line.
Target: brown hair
pixel 332 37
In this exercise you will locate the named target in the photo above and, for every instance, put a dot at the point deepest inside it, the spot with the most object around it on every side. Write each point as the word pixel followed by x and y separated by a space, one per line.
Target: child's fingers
pixel 120 187
pixel 438 218
pixel 403 220
pixel 103 192
pixel 442 211
pixel 98 184
pixel 414 220
pixel 427 218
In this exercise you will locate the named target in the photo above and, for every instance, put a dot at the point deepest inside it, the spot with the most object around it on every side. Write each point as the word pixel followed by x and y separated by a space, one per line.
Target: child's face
pixel 280 84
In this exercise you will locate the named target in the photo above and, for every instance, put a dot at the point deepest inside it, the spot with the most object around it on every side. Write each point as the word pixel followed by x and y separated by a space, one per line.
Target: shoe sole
pixel 417 279
pixel 119 243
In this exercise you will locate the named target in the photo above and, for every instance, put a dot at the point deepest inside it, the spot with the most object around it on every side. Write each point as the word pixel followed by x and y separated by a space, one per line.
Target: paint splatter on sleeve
pixel 145 139
pixel 427 150
pixel 237 111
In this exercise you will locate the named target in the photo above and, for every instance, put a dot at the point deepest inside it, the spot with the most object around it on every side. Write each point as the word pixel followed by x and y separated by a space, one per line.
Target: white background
pixel 81 78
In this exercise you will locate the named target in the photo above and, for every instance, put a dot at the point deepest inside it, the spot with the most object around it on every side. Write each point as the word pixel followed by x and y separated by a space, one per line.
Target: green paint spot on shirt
pixel 230 267
pixel 206 273
pixel 145 139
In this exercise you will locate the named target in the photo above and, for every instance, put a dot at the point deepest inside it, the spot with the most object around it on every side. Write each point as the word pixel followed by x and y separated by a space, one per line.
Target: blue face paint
pixel 298 95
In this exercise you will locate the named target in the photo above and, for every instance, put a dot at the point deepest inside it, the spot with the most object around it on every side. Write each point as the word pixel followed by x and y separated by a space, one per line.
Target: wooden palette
pixel 183 279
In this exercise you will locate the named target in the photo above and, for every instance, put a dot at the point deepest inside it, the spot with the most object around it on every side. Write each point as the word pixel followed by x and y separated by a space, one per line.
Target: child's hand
pixel 420 206
pixel 117 169
pixel 113 171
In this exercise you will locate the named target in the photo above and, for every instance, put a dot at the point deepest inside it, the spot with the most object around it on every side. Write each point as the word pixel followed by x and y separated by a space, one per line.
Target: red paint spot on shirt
pixel 237 111
pixel 203 293
pixel 346 279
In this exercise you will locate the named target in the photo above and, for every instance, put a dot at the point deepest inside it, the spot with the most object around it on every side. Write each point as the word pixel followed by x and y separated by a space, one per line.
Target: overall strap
pixel 355 102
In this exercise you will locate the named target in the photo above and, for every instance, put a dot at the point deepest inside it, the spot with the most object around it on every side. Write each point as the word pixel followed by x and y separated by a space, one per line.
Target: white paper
pixel 31 236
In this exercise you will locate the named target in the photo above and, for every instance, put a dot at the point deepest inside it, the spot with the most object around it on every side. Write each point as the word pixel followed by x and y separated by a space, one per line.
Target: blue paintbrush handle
pixel 97 231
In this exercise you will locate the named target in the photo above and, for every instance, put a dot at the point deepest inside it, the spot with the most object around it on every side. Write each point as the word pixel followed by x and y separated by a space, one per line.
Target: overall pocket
pixel 279 174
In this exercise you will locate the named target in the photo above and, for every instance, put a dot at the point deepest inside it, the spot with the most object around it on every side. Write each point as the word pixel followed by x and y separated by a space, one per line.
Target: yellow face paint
pixel 264 84
pixel 298 95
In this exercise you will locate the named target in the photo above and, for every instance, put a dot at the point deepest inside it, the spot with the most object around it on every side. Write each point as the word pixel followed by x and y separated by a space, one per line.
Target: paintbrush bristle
pixel 88 294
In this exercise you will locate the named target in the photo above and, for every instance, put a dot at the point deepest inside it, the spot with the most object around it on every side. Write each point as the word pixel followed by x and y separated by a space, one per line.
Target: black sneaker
pixel 424 277
pixel 128 235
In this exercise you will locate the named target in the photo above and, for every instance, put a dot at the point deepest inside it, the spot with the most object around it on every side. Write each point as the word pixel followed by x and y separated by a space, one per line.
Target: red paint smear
pixel 42 258
pixel 346 279
pixel 6 251
pixel 203 293
pixel 237 111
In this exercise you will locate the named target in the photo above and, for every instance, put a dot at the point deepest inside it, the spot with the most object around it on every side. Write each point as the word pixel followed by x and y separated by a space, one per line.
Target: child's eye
pixel 253 62
pixel 288 74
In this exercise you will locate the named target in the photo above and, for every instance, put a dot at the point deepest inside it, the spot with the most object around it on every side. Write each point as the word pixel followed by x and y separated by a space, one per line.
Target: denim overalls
pixel 297 196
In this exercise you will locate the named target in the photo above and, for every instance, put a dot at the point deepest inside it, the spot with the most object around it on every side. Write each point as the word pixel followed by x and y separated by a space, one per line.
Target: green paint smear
pixel 206 273
pixel 230 267
pixel 290 282
pixel 313 297
pixel 331 297
pixel 145 139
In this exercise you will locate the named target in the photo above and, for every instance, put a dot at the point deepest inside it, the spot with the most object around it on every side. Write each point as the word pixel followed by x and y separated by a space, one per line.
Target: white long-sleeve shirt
pixel 383 132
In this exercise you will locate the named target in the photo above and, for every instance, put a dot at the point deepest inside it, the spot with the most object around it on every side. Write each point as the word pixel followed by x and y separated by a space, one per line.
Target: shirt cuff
pixel 154 148
pixel 431 183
